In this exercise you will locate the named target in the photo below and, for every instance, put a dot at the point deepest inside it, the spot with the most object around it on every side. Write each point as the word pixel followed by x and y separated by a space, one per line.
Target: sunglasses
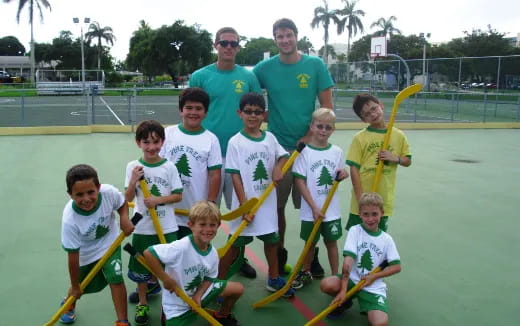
pixel 254 112
pixel 225 43
pixel 326 127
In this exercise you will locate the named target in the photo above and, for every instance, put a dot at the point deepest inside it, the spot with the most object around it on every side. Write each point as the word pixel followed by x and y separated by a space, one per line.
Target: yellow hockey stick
pixel 222 251
pixel 403 95
pixel 305 250
pixel 203 313
pixel 153 212
pixel 86 281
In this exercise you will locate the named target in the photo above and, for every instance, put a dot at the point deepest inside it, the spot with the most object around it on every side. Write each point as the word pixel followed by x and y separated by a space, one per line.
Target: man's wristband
pixel 399 160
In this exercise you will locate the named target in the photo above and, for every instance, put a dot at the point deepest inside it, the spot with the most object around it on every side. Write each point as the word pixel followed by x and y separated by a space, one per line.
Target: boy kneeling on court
pixel 191 264
pixel 366 248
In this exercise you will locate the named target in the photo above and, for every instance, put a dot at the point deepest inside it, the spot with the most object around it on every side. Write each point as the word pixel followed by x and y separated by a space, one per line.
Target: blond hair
pixel 371 199
pixel 204 210
pixel 324 114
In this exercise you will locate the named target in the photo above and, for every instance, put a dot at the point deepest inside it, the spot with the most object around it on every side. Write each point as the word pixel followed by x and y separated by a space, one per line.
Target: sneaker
pixel 302 278
pixel 68 317
pixel 229 320
pixel 316 269
pixel 275 284
pixel 153 288
pixel 247 270
pixel 122 323
pixel 339 311
pixel 141 314
pixel 282 260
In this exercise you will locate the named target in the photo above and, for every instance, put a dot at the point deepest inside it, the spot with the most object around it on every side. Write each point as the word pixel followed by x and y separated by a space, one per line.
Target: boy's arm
pixel 156 267
pixel 153 201
pixel 73 264
pixel 356 182
pixel 214 181
pixel 124 221
pixel 239 188
pixel 304 191
pixel 277 170
pixel 136 174
pixel 203 287
pixel 325 98
pixel 389 270
pixel 348 262
pixel 399 160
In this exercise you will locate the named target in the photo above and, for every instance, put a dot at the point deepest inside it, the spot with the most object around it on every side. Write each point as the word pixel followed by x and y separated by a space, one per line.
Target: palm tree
pixel 387 26
pixel 351 21
pixel 32 3
pixel 96 32
pixel 323 16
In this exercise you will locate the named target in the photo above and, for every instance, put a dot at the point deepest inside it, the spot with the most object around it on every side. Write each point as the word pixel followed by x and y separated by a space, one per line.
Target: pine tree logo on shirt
pixel 366 262
pixel 239 84
pixel 260 172
pixel 183 165
pixel 194 284
pixel 304 80
pixel 101 230
pixel 156 192
pixel 325 178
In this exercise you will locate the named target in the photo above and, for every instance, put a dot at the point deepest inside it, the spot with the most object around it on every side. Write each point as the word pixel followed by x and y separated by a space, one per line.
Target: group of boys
pixel 188 166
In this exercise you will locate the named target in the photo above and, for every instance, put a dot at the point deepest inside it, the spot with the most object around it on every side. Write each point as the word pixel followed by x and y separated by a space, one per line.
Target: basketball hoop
pixel 378 47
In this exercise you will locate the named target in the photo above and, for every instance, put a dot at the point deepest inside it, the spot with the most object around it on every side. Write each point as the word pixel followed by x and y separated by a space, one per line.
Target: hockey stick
pixel 153 212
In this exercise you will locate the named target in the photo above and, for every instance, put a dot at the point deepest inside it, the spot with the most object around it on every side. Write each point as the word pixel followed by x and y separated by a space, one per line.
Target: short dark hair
pixel 285 23
pixel 360 100
pixel 147 128
pixel 194 94
pixel 80 172
pixel 223 30
pixel 252 99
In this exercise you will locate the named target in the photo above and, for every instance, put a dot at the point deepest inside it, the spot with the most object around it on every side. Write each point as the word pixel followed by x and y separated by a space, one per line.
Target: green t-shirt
pixel 292 90
pixel 225 88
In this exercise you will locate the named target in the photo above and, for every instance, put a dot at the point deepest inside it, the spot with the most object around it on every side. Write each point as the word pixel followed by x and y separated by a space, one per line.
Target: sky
pixel 444 19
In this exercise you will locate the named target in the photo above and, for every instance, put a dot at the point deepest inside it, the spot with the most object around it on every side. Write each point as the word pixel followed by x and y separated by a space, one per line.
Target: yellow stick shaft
pixel 153 212
pixel 308 244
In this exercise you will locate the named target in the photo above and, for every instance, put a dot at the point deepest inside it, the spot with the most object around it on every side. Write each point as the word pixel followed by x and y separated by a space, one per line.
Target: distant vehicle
pixel 491 85
pixel 5 77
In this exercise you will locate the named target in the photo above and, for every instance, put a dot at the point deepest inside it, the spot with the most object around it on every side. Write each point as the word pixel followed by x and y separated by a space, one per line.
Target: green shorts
pixel 110 273
pixel 189 317
pixel 141 242
pixel 331 230
pixel 354 219
pixel 270 238
pixel 368 301
pixel 183 231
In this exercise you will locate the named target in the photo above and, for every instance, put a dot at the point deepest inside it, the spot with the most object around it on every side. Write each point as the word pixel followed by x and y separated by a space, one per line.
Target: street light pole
pixel 423 36
pixel 86 21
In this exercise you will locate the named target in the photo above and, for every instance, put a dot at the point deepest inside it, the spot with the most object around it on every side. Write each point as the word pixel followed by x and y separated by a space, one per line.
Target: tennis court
pixel 455 225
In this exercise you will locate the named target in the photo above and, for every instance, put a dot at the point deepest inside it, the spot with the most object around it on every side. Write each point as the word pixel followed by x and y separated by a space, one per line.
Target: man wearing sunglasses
pixel 225 82
pixel 293 81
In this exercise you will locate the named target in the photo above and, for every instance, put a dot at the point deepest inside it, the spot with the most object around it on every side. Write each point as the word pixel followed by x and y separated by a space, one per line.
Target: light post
pixel 86 20
pixel 424 37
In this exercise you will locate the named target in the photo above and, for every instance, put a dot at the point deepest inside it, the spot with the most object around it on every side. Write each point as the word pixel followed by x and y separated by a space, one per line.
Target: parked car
pixel 5 77
pixel 491 85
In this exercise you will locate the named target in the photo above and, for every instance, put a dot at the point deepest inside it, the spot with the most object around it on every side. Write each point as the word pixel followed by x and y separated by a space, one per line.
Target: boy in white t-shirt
pixel 165 187
pixel 254 158
pixel 314 172
pixel 89 228
pixel 195 151
pixel 191 264
pixel 366 248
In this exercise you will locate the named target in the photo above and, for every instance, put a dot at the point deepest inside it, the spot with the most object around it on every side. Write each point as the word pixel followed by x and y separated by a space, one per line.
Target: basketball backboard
pixel 378 47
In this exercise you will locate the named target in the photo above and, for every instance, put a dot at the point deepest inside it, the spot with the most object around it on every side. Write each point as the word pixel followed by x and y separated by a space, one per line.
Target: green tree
pixel 31 4
pixel 323 17
pixel 330 50
pixel 139 55
pixel 366 262
pixel 183 165
pixel 351 21
pixel 96 32
pixel 386 26
pixel 260 172
pixel 325 178
pixel 194 284
pixel 10 45
pixel 253 51
pixel 305 45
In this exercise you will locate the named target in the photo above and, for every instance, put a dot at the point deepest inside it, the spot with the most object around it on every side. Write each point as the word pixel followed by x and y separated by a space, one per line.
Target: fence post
pixel 134 107
pixel 518 110
pixel 415 109
pixel 485 107
pixel 92 97
pixel 23 108
pixel 452 105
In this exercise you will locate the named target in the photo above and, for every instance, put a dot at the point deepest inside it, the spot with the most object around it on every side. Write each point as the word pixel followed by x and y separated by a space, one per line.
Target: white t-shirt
pixel 194 154
pixel 92 232
pixel 318 166
pixel 185 263
pixel 254 159
pixel 162 179
pixel 369 250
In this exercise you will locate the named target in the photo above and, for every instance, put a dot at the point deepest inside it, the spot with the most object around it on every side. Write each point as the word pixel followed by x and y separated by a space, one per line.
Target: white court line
pixel 110 109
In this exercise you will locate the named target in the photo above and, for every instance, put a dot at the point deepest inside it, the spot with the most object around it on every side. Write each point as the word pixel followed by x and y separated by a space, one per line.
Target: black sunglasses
pixel 225 43
pixel 255 112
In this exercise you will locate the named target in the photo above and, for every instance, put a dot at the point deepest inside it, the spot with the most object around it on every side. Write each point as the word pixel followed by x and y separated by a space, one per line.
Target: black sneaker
pixel 247 270
pixel 339 311
pixel 229 320
pixel 282 260
pixel 152 288
pixel 316 269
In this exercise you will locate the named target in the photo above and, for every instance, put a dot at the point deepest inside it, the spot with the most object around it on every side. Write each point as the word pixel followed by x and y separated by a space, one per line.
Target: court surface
pixel 455 225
